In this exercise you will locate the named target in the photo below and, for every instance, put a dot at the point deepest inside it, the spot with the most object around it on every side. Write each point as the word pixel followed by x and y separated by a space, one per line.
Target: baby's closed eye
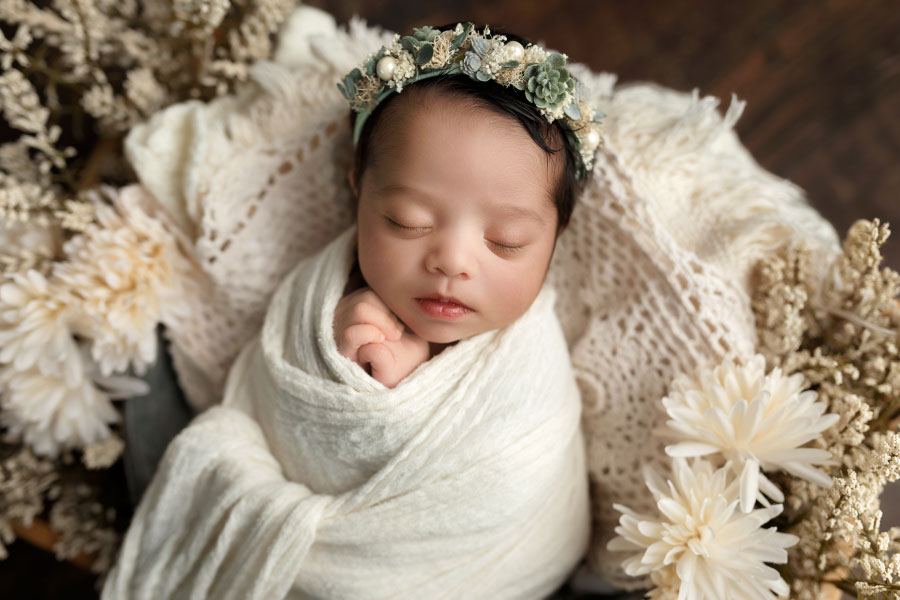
pixel 398 225
pixel 510 248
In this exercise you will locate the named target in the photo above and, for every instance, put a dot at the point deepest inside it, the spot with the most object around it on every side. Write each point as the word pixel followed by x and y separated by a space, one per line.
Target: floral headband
pixel 428 52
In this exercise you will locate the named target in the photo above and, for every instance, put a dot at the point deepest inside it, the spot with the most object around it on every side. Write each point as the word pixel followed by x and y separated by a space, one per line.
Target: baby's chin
pixel 441 334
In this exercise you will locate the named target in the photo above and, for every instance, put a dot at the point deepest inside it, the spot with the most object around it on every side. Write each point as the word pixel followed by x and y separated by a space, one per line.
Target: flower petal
pixel 684 449
pixel 749 485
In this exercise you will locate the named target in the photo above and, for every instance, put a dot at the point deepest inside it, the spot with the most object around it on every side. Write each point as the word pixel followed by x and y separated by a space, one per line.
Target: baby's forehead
pixel 439 131
pixel 457 108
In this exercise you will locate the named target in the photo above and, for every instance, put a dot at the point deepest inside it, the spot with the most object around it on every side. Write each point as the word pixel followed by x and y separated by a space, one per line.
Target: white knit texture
pixel 653 274
pixel 466 480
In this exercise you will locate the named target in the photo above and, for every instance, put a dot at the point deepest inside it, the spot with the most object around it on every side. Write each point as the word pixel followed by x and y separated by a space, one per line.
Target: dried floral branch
pixel 78 71
pixel 842 335
pixel 25 481
pixel 85 527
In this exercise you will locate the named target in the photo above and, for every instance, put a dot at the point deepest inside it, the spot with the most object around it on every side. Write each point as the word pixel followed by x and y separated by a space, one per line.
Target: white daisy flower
pixel 699 543
pixel 749 417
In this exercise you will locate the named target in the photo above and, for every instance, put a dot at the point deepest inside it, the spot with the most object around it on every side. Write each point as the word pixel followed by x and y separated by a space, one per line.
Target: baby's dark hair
pixel 506 101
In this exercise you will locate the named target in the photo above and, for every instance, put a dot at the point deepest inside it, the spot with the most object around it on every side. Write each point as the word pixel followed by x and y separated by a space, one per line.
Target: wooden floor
pixel 821 79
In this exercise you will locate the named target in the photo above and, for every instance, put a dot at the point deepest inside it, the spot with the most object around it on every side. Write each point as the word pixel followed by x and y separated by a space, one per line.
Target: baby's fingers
pixel 373 310
pixel 382 362
pixel 358 335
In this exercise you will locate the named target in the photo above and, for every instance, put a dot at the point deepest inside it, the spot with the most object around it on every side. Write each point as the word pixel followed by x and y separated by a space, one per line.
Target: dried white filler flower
pixel 750 417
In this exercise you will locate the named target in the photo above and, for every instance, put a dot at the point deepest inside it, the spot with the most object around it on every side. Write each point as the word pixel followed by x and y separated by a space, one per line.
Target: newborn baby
pixel 319 476
pixel 459 202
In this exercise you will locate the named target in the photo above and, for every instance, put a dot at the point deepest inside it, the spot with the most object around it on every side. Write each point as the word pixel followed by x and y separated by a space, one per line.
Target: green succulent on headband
pixel 548 83
pixel 421 43
pixel 426 33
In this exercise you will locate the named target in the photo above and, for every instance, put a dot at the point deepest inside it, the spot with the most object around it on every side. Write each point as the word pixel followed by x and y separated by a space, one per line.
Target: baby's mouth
pixel 443 307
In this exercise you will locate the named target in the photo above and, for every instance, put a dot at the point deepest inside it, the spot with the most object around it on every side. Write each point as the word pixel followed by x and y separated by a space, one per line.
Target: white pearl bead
pixel 515 51
pixel 592 138
pixel 385 67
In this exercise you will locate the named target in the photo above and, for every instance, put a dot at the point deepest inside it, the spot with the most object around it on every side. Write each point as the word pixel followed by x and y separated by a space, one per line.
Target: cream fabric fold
pixel 313 480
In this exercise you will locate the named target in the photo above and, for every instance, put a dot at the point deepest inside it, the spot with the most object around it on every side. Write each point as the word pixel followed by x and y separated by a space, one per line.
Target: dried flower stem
pixel 849 316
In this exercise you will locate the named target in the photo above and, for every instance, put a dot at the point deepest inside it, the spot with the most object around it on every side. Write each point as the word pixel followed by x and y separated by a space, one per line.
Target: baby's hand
pixel 369 334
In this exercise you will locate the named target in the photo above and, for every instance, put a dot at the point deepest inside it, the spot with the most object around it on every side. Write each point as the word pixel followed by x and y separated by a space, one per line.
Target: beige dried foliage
pixel 843 336
pixel 198 17
pixel 514 76
pixel 20 260
pixel 25 482
pixel 85 527
pixel 367 89
pixel 103 455
pixel 95 68
pixel 26 201
pixel 76 215
pixel 18 164
pixel 441 47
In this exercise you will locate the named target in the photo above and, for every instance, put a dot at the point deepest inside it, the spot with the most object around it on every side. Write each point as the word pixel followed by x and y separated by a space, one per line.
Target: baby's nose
pixel 451 258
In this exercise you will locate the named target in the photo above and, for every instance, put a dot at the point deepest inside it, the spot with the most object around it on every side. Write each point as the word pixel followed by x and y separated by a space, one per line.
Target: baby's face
pixel 457 205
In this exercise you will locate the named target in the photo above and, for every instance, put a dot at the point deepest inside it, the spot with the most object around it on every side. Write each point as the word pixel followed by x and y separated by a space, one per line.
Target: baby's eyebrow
pixel 401 188
pixel 521 212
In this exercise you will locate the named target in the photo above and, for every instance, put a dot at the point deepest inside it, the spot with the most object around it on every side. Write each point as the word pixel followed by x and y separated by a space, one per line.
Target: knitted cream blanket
pixel 467 480
pixel 653 275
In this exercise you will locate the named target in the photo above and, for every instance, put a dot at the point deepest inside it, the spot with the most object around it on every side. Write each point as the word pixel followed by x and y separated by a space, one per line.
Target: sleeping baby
pixel 462 188
pixel 407 422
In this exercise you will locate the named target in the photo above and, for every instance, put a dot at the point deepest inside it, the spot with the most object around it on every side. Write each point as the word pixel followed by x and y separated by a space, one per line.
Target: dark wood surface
pixel 821 81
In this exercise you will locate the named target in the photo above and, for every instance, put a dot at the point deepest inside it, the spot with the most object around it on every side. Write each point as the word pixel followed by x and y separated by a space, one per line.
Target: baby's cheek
pixel 388 270
pixel 513 291
pixel 377 260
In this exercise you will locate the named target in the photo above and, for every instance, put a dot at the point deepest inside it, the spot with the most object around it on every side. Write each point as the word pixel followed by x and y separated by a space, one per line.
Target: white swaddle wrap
pixel 314 480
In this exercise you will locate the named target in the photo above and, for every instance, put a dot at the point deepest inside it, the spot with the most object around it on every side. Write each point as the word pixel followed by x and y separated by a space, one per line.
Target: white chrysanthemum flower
pixel 667 584
pixel 126 272
pixel 53 396
pixel 714 550
pixel 51 411
pixel 748 416
pixel 122 277
pixel 34 332
pixel 49 415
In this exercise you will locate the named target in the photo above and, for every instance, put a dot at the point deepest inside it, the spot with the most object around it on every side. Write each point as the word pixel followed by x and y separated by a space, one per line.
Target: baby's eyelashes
pixel 397 225
pixel 505 248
